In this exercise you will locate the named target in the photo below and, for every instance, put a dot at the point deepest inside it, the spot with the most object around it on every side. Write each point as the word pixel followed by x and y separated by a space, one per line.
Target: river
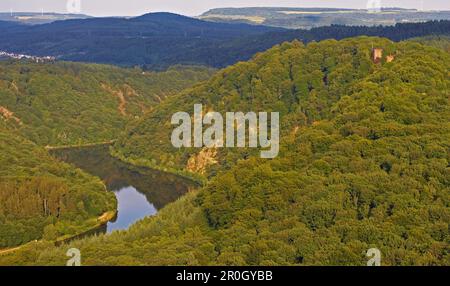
pixel 140 192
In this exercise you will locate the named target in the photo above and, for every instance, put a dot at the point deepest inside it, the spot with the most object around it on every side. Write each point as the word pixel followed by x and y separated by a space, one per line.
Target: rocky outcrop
pixel 9 115
pixel 198 163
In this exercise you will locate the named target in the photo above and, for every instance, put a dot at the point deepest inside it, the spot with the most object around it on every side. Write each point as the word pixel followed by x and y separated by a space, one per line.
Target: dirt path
pixel 80 145
pixel 8 250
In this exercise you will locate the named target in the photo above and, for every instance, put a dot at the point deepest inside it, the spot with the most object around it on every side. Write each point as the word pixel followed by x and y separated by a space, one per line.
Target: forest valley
pixel 363 159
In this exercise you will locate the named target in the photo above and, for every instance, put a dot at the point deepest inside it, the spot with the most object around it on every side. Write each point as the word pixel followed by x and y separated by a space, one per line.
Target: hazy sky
pixel 196 7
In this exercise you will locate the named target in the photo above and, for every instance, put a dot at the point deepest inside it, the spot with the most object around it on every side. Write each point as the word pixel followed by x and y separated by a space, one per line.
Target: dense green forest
pixel 64 103
pixel 42 198
pixel 243 87
pixel 441 42
pixel 364 162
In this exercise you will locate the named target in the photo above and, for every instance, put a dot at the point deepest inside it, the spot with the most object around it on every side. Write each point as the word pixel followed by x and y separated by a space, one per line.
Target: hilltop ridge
pixel 34 18
pixel 307 18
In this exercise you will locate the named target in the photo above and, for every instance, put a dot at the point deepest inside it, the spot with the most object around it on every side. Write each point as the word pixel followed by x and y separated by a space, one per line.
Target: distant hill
pixel 38 18
pixel 7 24
pixel 307 18
pixel 158 40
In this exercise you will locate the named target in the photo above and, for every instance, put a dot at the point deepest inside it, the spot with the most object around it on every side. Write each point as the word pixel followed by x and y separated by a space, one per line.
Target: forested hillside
pixel 61 103
pixel 65 103
pixel 42 198
pixel 305 83
pixel 364 162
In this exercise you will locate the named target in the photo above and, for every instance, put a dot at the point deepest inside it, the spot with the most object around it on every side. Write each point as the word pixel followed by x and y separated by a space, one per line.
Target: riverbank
pixel 194 177
pixel 95 224
pixel 9 250
pixel 62 147
pixel 99 222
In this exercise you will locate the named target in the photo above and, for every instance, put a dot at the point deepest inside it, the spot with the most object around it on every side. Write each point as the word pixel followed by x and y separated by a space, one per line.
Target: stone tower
pixel 377 55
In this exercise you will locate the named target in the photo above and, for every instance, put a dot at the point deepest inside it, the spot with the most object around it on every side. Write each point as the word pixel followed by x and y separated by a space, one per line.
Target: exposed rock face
pixel 8 115
pixel 14 87
pixel 390 58
pixel 119 94
pixel 198 163
pixel 122 95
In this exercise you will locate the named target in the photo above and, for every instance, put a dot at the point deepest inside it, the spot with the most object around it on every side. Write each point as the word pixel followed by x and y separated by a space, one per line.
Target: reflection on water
pixel 140 192
pixel 132 206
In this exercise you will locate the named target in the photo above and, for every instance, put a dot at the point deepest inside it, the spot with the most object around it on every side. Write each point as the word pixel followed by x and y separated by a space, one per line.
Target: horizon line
pixel 193 16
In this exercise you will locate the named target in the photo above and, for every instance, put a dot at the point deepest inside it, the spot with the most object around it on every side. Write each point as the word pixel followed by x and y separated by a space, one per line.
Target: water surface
pixel 140 192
